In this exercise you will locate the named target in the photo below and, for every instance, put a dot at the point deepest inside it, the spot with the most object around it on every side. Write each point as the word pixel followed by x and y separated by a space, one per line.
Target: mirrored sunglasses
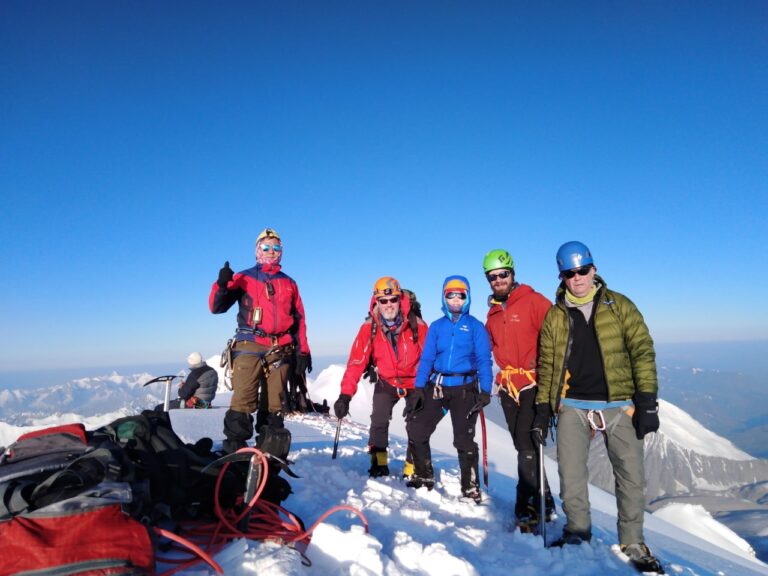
pixel 461 295
pixel 393 300
pixel 568 274
pixel 503 274
pixel 268 247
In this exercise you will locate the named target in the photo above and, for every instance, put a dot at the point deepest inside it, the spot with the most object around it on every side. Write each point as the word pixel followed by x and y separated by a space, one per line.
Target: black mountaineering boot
pixel 423 474
pixel 470 485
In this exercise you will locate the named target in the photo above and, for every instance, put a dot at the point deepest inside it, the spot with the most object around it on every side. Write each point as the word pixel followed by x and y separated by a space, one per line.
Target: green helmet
pixel 496 259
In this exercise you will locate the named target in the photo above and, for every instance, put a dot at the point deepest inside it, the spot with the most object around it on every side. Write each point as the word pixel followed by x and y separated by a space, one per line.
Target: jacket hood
pixel 465 308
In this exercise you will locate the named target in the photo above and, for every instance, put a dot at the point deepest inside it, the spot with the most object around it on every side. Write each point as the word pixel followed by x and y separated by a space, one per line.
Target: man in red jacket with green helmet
pixel 516 312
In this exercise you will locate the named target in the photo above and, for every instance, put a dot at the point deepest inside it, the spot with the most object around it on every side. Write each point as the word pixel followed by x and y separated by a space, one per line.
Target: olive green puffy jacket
pixel 629 359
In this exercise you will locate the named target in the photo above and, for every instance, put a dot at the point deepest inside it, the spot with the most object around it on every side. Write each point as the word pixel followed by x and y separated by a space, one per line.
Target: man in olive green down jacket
pixel 597 372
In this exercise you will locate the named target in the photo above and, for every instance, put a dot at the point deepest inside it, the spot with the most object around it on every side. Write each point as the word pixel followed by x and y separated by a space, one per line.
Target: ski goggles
pixel 461 295
pixel 268 247
pixel 568 274
pixel 503 274
pixel 393 300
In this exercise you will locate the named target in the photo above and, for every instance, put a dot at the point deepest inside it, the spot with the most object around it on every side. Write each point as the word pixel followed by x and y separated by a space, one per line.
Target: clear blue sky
pixel 142 144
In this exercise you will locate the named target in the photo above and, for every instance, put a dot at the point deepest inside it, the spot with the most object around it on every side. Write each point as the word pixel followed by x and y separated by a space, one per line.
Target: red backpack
pixel 62 513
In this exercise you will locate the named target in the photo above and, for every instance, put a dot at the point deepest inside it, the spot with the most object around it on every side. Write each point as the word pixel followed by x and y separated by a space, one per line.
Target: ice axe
pixel 542 497
pixel 485 448
pixel 167 379
pixel 336 440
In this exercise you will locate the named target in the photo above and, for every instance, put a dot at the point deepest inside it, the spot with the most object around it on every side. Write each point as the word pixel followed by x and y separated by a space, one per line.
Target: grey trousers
pixel 625 452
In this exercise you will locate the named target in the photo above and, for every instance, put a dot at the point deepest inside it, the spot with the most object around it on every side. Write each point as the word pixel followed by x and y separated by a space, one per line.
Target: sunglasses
pixel 461 295
pixel 568 274
pixel 393 300
pixel 268 247
pixel 503 274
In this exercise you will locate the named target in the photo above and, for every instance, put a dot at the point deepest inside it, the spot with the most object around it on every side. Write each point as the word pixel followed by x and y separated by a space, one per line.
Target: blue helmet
pixel 573 255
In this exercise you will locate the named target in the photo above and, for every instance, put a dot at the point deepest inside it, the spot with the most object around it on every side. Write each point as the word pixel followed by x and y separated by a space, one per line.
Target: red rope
pixel 267 521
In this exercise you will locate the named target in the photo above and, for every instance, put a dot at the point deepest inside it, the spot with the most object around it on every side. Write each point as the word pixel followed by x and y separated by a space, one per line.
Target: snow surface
pixel 698 521
pixel 680 427
pixel 417 532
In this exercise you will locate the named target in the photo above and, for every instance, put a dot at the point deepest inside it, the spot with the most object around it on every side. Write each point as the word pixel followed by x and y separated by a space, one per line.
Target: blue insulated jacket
pixel 460 347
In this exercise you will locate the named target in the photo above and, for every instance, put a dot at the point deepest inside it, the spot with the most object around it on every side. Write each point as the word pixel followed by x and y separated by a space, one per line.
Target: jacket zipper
pixel 565 359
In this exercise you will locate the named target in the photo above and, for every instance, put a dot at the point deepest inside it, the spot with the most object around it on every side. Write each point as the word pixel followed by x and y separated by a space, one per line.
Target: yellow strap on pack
pixel 504 380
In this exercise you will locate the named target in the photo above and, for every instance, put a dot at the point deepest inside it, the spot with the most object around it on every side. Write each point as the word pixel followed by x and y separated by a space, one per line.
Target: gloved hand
pixel 414 402
pixel 225 275
pixel 483 399
pixel 646 416
pixel 540 426
pixel 303 363
pixel 341 406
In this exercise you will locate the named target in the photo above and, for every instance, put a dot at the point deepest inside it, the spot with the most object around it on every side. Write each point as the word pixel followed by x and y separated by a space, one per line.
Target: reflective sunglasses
pixel 393 300
pixel 503 274
pixel 568 274
pixel 268 247
pixel 461 295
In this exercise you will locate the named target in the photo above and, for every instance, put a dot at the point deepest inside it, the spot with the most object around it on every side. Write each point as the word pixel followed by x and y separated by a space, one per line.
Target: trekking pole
pixel 542 497
pixel 336 440
pixel 485 448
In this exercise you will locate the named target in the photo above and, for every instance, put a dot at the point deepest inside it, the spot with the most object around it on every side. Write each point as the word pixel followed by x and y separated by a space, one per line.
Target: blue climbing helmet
pixel 573 255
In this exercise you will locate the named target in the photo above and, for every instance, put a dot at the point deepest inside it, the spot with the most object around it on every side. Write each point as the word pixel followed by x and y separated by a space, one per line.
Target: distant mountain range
pixel 732 404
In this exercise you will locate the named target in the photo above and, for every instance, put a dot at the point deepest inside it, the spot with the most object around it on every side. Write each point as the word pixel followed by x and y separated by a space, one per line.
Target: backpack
pixel 414 315
pixel 172 477
pixel 62 508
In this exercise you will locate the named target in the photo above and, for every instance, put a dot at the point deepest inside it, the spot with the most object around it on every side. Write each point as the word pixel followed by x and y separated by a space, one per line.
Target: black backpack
pixel 170 476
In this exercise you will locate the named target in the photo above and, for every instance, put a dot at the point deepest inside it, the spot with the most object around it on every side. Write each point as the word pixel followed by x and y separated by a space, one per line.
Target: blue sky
pixel 142 144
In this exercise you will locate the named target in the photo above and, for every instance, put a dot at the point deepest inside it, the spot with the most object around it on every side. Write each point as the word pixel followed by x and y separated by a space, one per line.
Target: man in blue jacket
pixel 456 359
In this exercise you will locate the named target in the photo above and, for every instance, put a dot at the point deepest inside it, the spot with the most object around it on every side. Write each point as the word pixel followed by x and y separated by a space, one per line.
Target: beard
pixel 389 315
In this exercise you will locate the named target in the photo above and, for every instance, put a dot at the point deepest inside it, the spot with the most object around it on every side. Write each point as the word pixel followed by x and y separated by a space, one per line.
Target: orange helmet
pixel 386 286
pixel 455 285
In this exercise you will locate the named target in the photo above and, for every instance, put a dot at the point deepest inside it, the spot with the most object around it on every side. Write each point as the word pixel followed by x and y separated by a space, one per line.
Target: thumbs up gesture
pixel 225 275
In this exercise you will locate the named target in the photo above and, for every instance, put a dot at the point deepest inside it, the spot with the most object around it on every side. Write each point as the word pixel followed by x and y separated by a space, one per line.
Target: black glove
pixel 303 364
pixel 414 402
pixel 483 399
pixel 225 275
pixel 540 426
pixel 341 406
pixel 646 416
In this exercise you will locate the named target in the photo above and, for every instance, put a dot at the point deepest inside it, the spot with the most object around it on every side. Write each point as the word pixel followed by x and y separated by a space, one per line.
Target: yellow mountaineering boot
pixel 379 463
